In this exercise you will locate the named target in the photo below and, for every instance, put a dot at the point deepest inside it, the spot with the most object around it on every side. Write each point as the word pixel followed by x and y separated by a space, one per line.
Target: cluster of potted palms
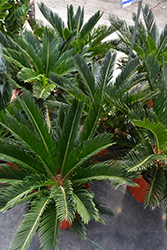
pixel 69 112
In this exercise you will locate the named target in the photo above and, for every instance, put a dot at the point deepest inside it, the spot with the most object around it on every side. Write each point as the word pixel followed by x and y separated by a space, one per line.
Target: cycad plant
pixel 115 93
pixel 78 34
pixel 29 61
pixel 148 40
pixel 50 167
pixel 149 156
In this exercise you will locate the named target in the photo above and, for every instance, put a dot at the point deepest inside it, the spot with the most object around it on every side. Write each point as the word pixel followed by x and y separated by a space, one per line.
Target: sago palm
pixel 149 156
pixel 148 40
pixel 117 95
pixel 29 61
pixel 78 34
pixel 50 167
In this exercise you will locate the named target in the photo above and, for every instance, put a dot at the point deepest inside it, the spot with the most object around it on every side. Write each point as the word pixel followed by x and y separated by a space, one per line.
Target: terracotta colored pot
pixel 16 92
pixel 65 224
pixel 140 192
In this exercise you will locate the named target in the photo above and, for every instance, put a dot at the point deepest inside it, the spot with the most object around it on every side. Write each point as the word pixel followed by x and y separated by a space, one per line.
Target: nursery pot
pixel 65 224
pixel 140 192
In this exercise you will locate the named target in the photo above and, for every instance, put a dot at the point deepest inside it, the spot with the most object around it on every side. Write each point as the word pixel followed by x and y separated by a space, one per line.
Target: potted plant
pixel 51 167
pixel 116 96
pixel 148 158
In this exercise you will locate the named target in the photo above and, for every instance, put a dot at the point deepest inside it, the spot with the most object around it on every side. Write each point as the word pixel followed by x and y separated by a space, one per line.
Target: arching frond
pixel 53 18
pixel 90 148
pixel 85 206
pixel 30 224
pixel 11 152
pixel 79 19
pixel 126 74
pixel 141 157
pixel 90 123
pixel 79 228
pixel 160 100
pixel 158 129
pixel 111 170
pixel 105 73
pixel 64 201
pixel 69 132
pixel 103 209
pixel 90 24
pixel 10 173
pixel 49 52
pixel 156 187
pixel 49 228
pixel 23 190
pixel 162 45
pixel 86 75
pixel 36 119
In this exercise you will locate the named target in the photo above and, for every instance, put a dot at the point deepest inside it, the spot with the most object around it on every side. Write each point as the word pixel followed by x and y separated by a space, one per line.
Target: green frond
pixel 72 90
pixel 26 74
pixel 6 93
pixel 97 35
pixel 30 224
pixel 90 148
pixel 127 73
pixel 101 206
pixel 71 22
pixel 50 45
pixel 34 41
pixel 86 75
pixel 79 228
pixel 85 206
pixel 12 60
pixel 152 67
pixel 152 46
pixel 34 115
pixel 5 40
pixel 9 173
pixel 79 19
pixel 49 228
pixel 69 132
pixel 160 99
pixel 53 18
pixel 123 32
pixel 64 64
pixel 156 187
pixel 15 57
pixel 29 52
pixel 162 44
pixel 111 170
pixel 39 158
pixel 64 201
pixel 22 190
pixel 150 22
pixel 142 38
pixel 106 70
pixel 97 144
pixel 10 152
pixel 141 157
pixel 157 128
pixel 111 97
pixel 90 124
pixel 90 24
